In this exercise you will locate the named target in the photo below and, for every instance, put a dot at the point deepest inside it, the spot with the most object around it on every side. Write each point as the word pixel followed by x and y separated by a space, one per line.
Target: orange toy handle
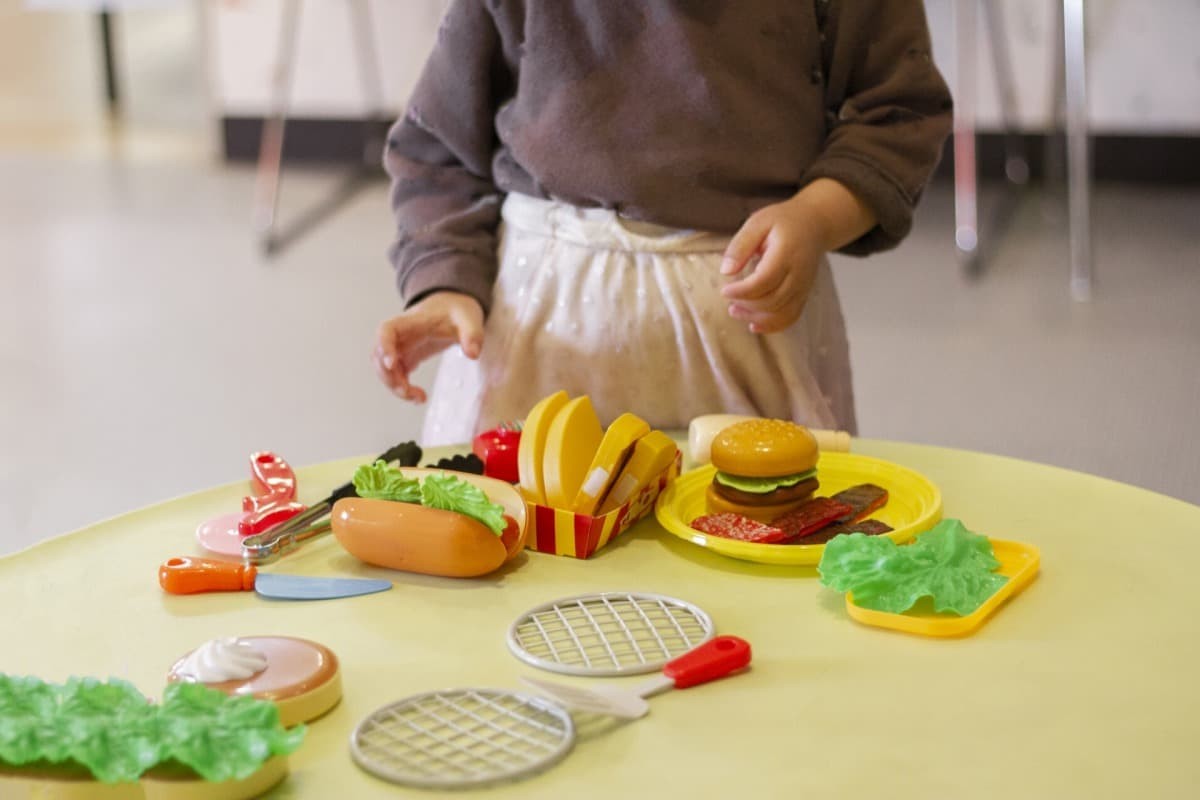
pixel 193 575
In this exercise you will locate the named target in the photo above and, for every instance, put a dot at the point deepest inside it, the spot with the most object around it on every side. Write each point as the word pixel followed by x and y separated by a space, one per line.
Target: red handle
pixel 713 659
pixel 194 575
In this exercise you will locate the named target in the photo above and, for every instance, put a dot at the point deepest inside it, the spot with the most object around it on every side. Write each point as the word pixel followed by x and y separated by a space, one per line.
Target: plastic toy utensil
pixel 197 575
pixel 713 659
pixel 273 484
pixel 274 500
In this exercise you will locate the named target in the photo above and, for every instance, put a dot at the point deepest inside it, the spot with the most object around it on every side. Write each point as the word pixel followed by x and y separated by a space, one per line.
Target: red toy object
pixel 811 517
pixel 497 449
pixel 274 502
pixel 728 525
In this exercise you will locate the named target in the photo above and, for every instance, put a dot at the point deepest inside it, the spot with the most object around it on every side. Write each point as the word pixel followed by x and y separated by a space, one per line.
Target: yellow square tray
pixel 1018 562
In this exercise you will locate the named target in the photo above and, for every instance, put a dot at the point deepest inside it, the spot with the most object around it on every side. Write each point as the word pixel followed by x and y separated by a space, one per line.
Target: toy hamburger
pixel 765 468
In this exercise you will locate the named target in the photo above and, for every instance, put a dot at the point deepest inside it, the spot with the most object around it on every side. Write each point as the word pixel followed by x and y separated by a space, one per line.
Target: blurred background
pixel 174 297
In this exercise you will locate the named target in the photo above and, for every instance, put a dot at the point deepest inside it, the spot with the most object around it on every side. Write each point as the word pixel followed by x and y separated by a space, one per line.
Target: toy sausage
pixel 414 538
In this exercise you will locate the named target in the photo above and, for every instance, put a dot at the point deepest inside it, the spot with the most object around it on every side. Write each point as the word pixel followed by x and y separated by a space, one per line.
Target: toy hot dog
pixel 467 536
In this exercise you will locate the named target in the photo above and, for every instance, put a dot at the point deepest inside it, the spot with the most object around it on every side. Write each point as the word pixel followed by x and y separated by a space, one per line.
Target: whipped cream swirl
pixel 220 660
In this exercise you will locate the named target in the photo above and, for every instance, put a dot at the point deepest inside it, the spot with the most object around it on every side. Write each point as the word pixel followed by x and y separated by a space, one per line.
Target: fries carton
pixel 567 533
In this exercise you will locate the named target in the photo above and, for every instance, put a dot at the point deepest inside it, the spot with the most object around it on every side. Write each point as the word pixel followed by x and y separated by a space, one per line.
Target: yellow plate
pixel 1018 562
pixel 914 505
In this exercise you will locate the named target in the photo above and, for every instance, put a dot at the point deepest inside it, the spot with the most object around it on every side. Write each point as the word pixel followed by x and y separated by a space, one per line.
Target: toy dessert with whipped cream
pixel 302 678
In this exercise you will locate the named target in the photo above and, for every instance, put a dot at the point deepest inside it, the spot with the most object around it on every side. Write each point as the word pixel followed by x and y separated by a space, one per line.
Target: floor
pixel 147 347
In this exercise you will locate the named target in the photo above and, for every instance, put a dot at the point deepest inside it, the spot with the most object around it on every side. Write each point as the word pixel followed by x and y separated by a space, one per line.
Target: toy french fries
pixel 585 484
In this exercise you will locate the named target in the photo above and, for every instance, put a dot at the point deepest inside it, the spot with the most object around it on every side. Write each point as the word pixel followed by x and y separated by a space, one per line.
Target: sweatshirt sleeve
pixel 888 111
pixel 439 157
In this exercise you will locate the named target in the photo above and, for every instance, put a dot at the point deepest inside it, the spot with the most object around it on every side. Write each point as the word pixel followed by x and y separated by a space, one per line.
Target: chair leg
pixel 1078 150
pixel 270 154
pixel 966 176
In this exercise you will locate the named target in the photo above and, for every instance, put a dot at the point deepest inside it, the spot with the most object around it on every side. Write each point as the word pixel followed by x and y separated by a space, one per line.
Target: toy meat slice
pixel 870 527
pixel 811 517
pixel 865 499
pixel 728 525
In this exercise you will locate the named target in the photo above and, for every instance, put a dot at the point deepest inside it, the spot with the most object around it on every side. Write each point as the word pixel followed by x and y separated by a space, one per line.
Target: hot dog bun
pixel 413 538
pixel 385 534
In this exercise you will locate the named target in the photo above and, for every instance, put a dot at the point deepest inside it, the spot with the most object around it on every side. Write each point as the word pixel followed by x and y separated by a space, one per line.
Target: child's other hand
pixel 789 242
pixel 424 330
pixel 791 238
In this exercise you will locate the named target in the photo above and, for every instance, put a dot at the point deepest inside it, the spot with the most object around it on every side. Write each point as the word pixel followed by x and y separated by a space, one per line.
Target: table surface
pixel 1083 686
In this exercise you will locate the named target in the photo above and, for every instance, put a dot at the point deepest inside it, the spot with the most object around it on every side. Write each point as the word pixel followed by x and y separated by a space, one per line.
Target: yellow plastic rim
pixel 914 505
pixel 1019 563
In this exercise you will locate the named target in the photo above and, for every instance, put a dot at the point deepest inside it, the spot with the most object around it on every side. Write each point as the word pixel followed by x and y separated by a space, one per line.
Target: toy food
pixel 652 455
pixel 868 527
pixel 811 516
pixel 703 429
pixel 734 526
pixel 301 677
pixel 574 437
pixel 532 447
pixel 93 739
pixel 430 522
pixel 948 563
pixel 765 468
pixel 497 450
pixel 864 498
pixel 614 450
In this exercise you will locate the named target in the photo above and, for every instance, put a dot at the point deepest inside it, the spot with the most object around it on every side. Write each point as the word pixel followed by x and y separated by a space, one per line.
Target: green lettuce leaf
pixel 220 737
pixel 452 494
pixel 29 724
pixel 117 734
pixel 382 482
pixel 948 563
pixel 110 728
pixel 762 485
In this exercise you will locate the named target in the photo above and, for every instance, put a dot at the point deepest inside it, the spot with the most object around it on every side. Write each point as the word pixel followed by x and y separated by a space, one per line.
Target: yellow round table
pixel 1085 685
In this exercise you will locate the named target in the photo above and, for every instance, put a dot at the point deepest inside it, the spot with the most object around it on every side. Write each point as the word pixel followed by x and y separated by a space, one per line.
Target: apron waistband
pixel 602 228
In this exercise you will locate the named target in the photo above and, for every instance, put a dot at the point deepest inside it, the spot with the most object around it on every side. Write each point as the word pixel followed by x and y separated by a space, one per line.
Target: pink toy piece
pixel 274 486
pixel 220 535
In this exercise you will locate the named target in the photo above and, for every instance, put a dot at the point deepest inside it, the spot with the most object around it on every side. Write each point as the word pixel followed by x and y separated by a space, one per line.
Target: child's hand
pixel 424 330
pixel 790 244
pixel 791 238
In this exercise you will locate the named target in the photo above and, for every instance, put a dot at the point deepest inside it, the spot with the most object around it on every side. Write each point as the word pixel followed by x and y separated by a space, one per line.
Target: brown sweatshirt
pixel 686 113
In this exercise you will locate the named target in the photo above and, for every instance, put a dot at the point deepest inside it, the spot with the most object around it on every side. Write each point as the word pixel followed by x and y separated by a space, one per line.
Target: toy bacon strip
pixel 811 517
pixel 865 499
pixel 728 525
pixel 871 527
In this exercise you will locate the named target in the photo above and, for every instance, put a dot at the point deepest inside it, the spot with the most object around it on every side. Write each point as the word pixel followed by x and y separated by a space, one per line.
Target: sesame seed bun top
pixel 764 448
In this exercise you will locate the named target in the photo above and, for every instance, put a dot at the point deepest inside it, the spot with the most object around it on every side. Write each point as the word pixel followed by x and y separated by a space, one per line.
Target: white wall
pixel 1143 58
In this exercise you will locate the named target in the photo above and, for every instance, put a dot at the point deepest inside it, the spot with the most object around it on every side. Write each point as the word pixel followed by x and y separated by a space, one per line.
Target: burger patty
pixel 784 494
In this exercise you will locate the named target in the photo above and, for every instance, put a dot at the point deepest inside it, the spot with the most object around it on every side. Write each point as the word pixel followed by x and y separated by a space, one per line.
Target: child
pixel 634 201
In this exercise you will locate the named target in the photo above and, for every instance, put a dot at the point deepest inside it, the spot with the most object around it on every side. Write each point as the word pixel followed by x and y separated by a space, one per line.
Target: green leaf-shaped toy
pixel 110 728
pixel 117 734
pixel 452 494
pixel 222 738
pixel 948 563
pixel 382 482
pixel 29 724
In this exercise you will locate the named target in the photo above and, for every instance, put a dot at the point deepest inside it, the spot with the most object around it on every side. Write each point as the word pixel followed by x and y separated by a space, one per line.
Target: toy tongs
pixel 269 545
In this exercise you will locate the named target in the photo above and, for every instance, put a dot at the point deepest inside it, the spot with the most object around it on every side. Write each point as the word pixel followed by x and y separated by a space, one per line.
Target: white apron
pixel 632 315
